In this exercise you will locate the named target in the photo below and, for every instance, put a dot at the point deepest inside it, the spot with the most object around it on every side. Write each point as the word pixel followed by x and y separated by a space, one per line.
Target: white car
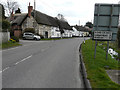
pixel 32 36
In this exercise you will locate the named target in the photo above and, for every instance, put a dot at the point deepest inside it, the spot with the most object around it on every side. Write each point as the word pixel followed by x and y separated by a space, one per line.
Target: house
pixel 80 31
pixel 65 28
pixel 45 25
pixel 75 32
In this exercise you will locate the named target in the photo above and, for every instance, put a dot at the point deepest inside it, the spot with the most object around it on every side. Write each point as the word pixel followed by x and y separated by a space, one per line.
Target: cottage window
pixel 52 33
pixel 57 35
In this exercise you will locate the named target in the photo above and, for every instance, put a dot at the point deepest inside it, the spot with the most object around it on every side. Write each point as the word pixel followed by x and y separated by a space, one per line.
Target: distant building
pixel 80 31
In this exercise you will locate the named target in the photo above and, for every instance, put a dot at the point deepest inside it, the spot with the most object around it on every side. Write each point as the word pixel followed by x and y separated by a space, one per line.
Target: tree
pixel 89 24
pixel 18 11
pixel 10 6
pixel 5 25
pixel 61 17
pixel 2 11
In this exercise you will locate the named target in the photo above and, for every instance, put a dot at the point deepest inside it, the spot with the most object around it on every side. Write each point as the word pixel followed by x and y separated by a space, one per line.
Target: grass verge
pixel 9 45
pixel 96 67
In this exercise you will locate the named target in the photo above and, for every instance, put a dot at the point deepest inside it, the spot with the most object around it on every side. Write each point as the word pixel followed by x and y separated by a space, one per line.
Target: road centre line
pixel 16 63
pixel 23 60
pixel 4 69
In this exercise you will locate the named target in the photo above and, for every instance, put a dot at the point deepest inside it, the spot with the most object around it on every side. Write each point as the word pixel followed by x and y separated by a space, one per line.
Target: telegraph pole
pixel 34 5
pixel 79 22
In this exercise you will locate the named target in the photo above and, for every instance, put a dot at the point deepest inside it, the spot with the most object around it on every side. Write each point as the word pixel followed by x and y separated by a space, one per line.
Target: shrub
pixel 40 35
pixel 13 41
pixel 15 38
pixel 5 25
pixel 32 30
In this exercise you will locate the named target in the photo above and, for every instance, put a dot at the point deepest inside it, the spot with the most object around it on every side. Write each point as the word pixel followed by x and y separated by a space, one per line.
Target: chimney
pixel 12 16
pixel 30 8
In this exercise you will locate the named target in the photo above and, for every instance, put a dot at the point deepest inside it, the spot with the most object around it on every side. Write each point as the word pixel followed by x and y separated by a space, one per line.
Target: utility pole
pixel 79 22
pixel 118 37
pixel 34 5
pixel 37 31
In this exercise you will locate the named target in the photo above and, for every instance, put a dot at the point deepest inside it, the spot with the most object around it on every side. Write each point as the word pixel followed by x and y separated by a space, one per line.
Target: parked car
pixel 32 36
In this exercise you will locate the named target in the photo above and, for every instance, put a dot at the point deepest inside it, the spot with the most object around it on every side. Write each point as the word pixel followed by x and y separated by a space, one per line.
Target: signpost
pixel 106 18
pixel 103 35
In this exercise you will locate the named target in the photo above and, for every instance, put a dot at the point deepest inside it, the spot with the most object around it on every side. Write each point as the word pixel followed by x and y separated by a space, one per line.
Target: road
pixel 42 64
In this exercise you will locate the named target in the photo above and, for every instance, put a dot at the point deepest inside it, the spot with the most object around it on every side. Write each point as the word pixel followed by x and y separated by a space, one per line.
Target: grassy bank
pixel 9 45
pixel 96 67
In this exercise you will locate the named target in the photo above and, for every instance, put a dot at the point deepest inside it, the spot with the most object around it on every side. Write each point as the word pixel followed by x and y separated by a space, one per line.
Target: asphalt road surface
pixel 42 64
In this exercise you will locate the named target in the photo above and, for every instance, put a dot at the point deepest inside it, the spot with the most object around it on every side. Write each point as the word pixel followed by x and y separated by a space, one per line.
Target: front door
pixel 46 34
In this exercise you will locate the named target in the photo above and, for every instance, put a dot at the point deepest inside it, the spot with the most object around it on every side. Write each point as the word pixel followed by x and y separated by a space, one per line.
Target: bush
pixel 15 38
pixel 40 35
pixel 5 25
pixel 32 30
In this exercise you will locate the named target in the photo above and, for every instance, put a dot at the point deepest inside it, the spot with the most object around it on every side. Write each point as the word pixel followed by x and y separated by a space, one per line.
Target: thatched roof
pixel 19 18
pixel 42 18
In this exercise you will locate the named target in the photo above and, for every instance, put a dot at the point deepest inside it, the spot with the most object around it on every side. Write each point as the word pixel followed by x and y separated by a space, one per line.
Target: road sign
pixel 103 35
pixel 106 18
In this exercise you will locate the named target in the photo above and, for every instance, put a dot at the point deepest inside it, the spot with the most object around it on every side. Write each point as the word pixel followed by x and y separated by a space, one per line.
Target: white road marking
pixel 23 60
pixel 16 63
pixel 4 69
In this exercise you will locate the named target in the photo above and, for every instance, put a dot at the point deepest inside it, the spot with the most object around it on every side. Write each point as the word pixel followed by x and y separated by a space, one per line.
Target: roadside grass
pixel 9 45
pixel 112 44
pixel 96 67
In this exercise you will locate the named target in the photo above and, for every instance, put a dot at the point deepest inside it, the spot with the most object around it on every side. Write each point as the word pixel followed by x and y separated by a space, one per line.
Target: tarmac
pixel 114 75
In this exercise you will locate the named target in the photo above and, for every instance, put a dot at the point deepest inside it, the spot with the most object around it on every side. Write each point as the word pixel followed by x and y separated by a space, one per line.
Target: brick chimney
pixel 12 16
pixel 30 8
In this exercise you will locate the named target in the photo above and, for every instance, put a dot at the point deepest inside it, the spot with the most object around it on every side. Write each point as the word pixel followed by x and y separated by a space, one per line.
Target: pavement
pixel 114 75
pixel 42 64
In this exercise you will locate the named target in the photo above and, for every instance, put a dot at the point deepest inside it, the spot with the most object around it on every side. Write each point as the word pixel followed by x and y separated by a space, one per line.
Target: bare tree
pixel 10 6
pixel 61 17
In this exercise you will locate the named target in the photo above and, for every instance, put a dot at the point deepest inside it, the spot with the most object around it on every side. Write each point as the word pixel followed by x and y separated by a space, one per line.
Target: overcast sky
pixel 72 10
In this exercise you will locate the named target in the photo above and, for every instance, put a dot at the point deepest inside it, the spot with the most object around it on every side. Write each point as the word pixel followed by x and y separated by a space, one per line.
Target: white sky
pixel 72 10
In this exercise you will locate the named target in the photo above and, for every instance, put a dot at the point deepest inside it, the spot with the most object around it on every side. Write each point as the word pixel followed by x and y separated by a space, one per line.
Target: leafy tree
pixel 5 25
pixel 89 24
